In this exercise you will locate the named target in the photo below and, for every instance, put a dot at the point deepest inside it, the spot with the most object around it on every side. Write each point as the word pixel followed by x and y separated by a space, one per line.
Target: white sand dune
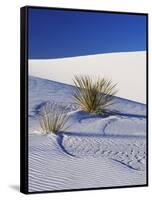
pixel 95 151
pixel 127 69
pixel 50 168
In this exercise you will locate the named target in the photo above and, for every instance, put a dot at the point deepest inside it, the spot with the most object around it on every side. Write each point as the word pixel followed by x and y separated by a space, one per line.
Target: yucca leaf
pixel 93 94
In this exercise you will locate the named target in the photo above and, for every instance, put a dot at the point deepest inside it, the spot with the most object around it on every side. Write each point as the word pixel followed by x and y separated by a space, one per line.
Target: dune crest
pixel 128 69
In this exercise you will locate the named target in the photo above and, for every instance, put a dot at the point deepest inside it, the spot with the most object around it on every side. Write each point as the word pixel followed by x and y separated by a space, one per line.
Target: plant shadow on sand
pixel 105 114
pixel 118 113
pixel 82 115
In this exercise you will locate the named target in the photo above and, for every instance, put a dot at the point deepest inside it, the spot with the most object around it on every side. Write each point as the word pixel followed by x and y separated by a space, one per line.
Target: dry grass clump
pixel 53 120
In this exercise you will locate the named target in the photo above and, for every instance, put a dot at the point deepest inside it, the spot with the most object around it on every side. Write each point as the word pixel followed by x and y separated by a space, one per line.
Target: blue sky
pixel 62 33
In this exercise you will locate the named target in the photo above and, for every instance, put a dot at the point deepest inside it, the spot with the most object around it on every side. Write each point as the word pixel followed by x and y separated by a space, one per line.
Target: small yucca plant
pixel 94 95
pixel 52 120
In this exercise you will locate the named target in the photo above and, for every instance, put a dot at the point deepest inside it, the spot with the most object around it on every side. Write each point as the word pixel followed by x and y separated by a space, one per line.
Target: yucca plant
pixel 52 120
pixel 94 95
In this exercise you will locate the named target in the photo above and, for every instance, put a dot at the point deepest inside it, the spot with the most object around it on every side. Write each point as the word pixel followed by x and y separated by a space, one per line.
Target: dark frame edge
pixel 23 102
pixel 85 10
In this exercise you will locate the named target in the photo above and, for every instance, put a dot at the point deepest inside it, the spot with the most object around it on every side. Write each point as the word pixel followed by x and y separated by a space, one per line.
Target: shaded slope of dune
pixel 96 151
